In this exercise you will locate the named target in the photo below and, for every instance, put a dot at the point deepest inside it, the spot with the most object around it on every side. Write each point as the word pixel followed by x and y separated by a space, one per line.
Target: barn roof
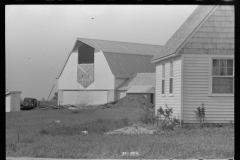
pixel 124 58
pixel 141 89
pixel 122 47
pixel 185 31
pixel 125 65
pixel 139 79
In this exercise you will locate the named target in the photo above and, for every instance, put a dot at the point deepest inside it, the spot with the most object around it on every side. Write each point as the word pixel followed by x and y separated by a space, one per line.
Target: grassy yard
pixel 39 137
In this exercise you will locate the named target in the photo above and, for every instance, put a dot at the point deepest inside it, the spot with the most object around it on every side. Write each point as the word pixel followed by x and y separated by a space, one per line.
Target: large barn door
pixel 85 74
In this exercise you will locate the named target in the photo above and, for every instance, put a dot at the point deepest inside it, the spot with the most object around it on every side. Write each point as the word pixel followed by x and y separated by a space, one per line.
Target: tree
pixel 55 97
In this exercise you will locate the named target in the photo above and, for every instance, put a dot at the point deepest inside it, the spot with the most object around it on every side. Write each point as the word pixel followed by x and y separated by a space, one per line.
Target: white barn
pixel 196 66
pixel 95 69
pixel 13 101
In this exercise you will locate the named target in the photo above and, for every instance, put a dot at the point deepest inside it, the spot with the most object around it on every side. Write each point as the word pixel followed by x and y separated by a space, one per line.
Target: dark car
pixel 29 103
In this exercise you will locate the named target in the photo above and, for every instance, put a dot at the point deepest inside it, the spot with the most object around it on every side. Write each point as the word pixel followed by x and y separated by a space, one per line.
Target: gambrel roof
pixel 184 32
pixel 124 59
pixel 122 47
pixel 139 79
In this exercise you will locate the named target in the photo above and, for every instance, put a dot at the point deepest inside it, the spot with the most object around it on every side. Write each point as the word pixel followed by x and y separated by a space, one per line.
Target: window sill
pixel 171 95
pixel 220 95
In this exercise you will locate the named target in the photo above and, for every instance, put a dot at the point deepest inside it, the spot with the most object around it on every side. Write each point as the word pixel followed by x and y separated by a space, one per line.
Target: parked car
pixel 29 103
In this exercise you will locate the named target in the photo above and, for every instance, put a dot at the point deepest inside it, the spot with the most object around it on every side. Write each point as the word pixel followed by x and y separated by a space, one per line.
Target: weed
pixel 12 146
pixel 75 111
pixel 44 132
pixel 200 113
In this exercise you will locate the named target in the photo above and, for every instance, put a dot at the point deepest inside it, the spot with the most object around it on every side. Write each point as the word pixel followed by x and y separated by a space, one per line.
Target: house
pixel 95 69
pixel 196 66
pixel 13 101
pixel 139 83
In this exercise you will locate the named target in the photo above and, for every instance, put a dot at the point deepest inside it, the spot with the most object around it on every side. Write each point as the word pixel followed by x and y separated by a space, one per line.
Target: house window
pixel 151 98
pixel 163 78
pixel 222 76
pixel 171 78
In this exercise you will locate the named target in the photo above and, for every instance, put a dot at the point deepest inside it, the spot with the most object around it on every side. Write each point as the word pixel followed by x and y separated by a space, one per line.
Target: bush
pixel 167 122
pixel 148 117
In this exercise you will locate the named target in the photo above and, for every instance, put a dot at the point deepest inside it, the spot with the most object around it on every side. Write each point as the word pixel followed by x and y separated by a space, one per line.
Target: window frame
pixel 163 91
pixel 211 76
pixel 170 77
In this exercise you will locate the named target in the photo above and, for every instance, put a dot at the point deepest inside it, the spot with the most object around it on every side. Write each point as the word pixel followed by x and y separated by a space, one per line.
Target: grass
pixel 41 138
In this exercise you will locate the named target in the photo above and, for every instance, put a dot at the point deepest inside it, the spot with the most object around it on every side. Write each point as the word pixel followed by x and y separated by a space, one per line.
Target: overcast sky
pixel 39 37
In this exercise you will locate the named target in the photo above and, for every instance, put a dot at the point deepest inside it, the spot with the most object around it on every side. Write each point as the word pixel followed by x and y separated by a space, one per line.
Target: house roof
pixel 186 29
pixel 122 47
pixel 139 79
pixel 124 58
pixel 141 89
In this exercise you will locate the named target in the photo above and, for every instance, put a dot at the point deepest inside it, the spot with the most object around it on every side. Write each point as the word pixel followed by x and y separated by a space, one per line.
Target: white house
pixel 95 69
pixel 196 66
pixel 13 101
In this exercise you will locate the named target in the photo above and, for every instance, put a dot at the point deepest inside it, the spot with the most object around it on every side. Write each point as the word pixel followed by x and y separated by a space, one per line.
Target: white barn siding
pixel 196 85
pixel 119 81
pixel 172 100
pixel 85 97
pixel 103 77
pixel 120 94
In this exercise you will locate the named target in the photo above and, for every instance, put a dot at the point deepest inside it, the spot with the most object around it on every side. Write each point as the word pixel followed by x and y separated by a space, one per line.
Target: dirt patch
pixel 130 101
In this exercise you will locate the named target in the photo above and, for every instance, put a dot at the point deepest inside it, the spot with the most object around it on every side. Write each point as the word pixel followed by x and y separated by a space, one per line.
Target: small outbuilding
pixel 13 101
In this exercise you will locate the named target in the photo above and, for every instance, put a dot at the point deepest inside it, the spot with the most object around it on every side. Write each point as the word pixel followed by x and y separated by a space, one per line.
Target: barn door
pixel 85 74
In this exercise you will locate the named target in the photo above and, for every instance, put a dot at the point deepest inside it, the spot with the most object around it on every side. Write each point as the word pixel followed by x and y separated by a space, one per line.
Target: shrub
pixel 167 122
pixel 200 113
pixel 148 117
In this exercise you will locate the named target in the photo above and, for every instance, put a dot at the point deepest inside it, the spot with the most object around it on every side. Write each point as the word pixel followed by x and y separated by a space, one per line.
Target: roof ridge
pixel 129 54
pixel 121 41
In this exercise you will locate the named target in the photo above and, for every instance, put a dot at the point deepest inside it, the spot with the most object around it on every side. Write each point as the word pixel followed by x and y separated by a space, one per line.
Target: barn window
pixel 171 78
pixel 85 54
pixel 222 76
pixel 163 78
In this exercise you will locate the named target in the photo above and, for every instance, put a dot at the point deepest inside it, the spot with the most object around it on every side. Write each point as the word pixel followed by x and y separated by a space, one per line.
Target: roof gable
pixel 185 31
pixel 139 79
pixel 124 58
pixel 216 34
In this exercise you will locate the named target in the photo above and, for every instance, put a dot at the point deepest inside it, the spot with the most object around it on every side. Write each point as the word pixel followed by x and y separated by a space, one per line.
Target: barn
pixel 95 69
pixel 196 66
pixel 12 101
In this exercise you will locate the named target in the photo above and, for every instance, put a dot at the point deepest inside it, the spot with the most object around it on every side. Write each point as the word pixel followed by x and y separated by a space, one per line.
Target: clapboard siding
pixel 196 89
pixel 214 37
pixel 174 100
